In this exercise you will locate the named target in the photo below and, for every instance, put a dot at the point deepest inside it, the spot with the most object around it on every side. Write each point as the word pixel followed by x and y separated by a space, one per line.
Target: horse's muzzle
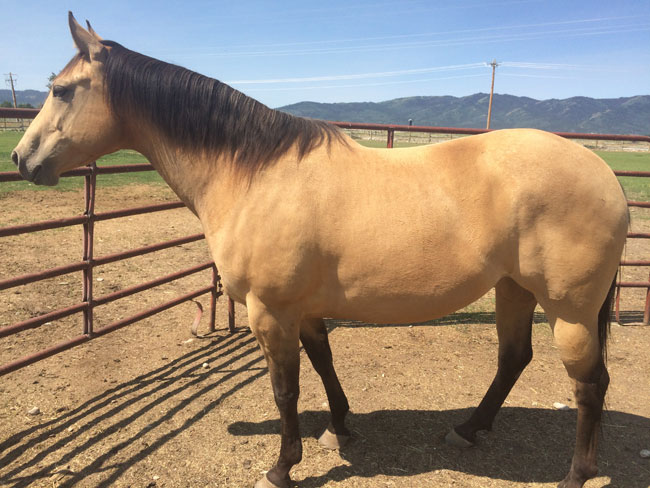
pixel 27 174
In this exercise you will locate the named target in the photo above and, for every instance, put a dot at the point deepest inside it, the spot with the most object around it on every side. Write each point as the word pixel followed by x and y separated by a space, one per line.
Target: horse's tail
pixel 604 320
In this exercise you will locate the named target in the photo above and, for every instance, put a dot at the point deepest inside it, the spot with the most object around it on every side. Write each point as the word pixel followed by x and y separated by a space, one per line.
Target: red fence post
pixel 390 137
pixel 617 307
pixel 231 315
pixel 213 298
pixel 646 311
pixel 90 182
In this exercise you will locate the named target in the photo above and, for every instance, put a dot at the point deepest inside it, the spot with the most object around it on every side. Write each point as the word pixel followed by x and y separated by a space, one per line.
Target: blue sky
pixel 282 52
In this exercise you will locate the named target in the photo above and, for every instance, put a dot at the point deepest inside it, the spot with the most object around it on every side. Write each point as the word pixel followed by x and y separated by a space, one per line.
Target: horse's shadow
pixel 527 445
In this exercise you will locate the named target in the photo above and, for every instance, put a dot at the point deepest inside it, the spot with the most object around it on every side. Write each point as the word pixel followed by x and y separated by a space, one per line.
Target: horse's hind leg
pixel 313 335
pixel 581 353
pixel 514 316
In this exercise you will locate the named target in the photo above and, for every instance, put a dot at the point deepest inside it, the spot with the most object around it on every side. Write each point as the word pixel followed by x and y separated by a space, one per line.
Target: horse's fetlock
pixel 279 480
pixel 468 431
pixel 580 473
pixel 292 455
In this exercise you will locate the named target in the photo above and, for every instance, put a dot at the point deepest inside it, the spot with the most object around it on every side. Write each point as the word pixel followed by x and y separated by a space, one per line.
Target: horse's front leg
pixel 278 336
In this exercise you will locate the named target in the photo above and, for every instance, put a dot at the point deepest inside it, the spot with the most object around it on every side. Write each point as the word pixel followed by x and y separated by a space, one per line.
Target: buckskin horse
pixel 304 223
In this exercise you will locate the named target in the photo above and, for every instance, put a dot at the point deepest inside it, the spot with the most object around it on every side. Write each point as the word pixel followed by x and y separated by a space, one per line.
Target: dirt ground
pixel 153 406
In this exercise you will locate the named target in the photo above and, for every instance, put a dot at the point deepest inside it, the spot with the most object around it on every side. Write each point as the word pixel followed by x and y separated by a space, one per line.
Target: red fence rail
pixel 90 262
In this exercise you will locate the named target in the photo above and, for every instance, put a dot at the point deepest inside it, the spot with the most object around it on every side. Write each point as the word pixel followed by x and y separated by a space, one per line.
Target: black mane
pixel 203 114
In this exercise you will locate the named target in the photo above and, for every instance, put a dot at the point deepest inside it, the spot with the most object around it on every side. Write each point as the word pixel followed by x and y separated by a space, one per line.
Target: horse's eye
pixel 59 91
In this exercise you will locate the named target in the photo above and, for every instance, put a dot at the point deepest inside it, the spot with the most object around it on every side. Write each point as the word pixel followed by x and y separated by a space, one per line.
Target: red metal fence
pixel 90 262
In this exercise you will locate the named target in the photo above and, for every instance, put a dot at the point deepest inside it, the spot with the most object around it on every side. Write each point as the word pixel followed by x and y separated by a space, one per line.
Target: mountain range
pixel 629 115
pixel 33 97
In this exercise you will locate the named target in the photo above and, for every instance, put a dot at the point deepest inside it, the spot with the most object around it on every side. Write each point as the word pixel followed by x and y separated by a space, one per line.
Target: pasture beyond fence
pixel 89 262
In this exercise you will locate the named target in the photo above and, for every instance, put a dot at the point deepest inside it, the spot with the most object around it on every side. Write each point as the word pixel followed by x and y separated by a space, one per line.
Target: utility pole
pixel 494 65
pixel 13 94
pixel 13 91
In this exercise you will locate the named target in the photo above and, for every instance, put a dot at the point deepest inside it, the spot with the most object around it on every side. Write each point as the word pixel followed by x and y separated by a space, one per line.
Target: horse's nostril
pixel 14 157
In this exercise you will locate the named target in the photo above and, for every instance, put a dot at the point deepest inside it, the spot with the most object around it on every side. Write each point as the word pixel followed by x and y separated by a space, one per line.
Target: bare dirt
pixel 153 406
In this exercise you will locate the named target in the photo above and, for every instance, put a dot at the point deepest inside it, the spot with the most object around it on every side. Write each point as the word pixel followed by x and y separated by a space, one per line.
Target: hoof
pixel 265 483
pixel 330 440
pixel 453 438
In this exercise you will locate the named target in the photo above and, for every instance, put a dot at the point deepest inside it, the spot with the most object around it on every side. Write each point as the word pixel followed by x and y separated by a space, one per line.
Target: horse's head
pixel 75 125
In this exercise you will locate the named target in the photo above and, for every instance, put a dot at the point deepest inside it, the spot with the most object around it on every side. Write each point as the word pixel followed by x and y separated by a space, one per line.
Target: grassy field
pixel 382 143
pixel 636 188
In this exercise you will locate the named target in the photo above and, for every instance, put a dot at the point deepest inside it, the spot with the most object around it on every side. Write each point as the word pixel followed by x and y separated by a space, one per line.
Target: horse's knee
pixel 285 399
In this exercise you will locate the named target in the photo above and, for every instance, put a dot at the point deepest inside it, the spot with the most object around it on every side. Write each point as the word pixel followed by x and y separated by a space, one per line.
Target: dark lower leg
pixel 509 370
pixel 590 398
pixel 313 336
pixel 514 314
pixel 286 392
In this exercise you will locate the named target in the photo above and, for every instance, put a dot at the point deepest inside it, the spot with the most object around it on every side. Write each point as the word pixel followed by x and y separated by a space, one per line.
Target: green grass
pixel 636 188
pixel 9 140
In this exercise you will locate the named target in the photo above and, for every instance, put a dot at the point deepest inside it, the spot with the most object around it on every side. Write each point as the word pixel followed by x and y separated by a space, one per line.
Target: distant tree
pixel 6 104
pixel 50 80
pixel 25 105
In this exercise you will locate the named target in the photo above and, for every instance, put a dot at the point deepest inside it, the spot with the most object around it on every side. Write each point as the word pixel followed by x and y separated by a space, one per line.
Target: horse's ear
pixel 92 31
pixel 87 44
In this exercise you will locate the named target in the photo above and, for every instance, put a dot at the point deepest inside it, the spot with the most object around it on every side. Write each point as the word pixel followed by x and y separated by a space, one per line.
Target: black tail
pixel 604 320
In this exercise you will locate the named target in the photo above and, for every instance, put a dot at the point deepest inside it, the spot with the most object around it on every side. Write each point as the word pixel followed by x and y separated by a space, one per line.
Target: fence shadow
pixel 630 317
pixel 451 319
pixel 176 381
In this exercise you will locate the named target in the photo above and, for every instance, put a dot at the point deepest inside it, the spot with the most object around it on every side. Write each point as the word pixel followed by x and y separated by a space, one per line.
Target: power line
pixel 382 74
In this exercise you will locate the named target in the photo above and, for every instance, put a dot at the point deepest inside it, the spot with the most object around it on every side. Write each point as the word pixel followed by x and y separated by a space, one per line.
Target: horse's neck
pixel 194 177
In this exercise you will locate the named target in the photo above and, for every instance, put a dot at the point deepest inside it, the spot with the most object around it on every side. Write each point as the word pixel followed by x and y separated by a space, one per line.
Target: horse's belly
pixel 404 300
